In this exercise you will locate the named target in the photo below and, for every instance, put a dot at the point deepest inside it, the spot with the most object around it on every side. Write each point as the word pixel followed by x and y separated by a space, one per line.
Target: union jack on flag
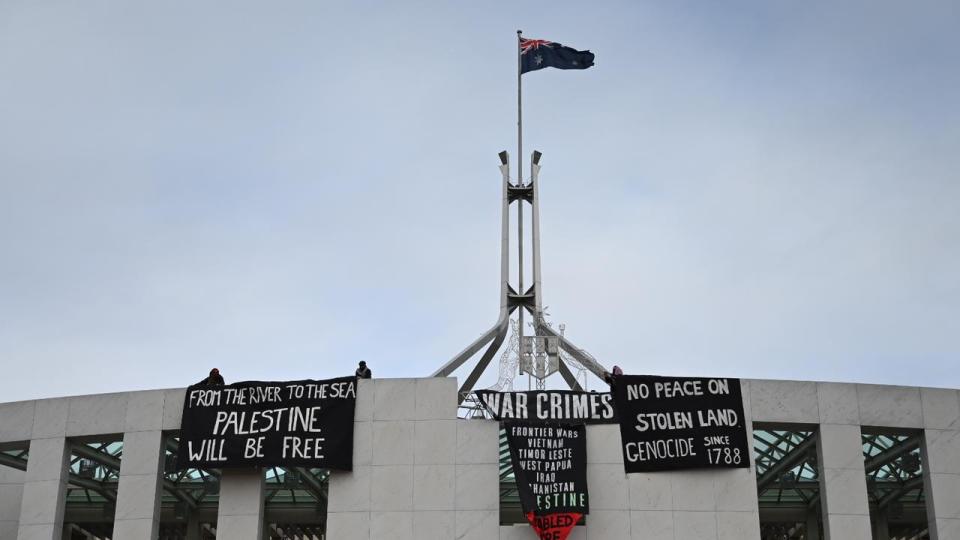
pixel 539 53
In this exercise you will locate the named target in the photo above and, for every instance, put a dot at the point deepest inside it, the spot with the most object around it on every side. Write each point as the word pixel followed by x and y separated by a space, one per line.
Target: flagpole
pixel 520 183
pixel 519 114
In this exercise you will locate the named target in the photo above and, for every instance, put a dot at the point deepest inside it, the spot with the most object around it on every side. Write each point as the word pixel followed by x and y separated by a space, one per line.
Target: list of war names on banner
pixel 550 465
pixel 669 423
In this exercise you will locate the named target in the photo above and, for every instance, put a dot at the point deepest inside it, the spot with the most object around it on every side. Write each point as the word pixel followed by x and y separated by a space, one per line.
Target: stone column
pixel 139 492
pixel 11 491
pixel 44 490
pixel 240 516
pixel 940 452
pixel 843 483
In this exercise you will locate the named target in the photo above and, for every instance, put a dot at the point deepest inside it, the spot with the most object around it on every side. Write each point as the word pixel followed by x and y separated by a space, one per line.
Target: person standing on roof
pixel 214 379
pixel 609 378
pixel 363 372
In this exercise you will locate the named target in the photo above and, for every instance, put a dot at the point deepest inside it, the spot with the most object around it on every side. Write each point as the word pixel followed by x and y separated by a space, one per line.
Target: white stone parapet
pixel 420 473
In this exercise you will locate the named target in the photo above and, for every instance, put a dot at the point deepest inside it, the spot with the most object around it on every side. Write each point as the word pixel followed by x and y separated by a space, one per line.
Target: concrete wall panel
pixel 615 494
pixel 434 487
pixel 433 525
pixel 135 528
pixel 478 487
pixel 173 407
pixel 16 421
pixel 393 525
pixel 44 488
pixel 364 409
pixel 435 442
pixel 838 403
pixel 478 441
pixel 240 512
pixel 40 532
pixel 8 530
pixel 890 406
pixel 349 491
pixel 735 490
pixel 46 460
pixel 843 483
pixel 945 489
pixel 50 418
pixel 694 525
pixel 603 444
pixel 144 411
pixel 650 491
pixel 607 524
pixel 141 473
pixel 693 490
pixel 394 399
pixel 651 525
pixel 97 415
pixel 138 496
pixel 391 488
pixel 393 442
pixel 362 444
pixel 476 524
pixel 784 401
pixel 11 495
pixel 517 532
pixel 348 525
pixel 436 399
pixel 738 526
pixel 941 408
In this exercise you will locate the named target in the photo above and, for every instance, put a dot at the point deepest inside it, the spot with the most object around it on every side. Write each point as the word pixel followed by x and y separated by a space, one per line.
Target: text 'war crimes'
pixel 549 405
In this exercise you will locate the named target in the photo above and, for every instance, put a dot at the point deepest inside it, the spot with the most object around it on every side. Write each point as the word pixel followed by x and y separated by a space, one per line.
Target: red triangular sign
pixel 553 526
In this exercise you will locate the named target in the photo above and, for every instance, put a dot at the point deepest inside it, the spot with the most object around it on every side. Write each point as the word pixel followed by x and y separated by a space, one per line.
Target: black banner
pixel 550 406
pixel 550 465
pixel 669 423
pixel 253 424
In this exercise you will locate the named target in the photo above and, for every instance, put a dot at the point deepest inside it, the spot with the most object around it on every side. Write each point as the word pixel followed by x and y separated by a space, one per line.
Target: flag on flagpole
pixel 539 53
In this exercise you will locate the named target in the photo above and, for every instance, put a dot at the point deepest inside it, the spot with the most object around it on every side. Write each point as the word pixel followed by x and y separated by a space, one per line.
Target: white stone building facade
pixel 421 473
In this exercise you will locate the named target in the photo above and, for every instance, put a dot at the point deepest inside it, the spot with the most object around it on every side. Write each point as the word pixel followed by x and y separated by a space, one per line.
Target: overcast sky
pixel 279 189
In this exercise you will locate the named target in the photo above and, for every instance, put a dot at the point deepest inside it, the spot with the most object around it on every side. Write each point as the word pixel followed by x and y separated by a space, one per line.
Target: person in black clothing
pixel 363 372
pixel 609 378
pixel 215 379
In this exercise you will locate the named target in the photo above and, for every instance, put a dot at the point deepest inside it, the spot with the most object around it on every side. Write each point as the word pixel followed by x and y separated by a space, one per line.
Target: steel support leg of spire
pixel 585 360
pixel 484 360
pixel 569 377
pixel 499 329
pixel 465 354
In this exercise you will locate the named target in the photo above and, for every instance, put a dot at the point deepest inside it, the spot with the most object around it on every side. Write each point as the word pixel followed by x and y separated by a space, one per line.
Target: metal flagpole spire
pixel 520 179
pixel 546 342
pixel 519 109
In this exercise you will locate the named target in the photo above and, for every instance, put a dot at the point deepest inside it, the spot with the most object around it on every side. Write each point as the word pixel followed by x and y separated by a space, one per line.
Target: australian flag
pixel 539 53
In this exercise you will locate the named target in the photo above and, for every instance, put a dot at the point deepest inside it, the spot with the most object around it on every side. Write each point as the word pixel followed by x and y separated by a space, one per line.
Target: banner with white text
pixel 255 424
pixel 550 465
pixel 669 423
pixel 550 406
